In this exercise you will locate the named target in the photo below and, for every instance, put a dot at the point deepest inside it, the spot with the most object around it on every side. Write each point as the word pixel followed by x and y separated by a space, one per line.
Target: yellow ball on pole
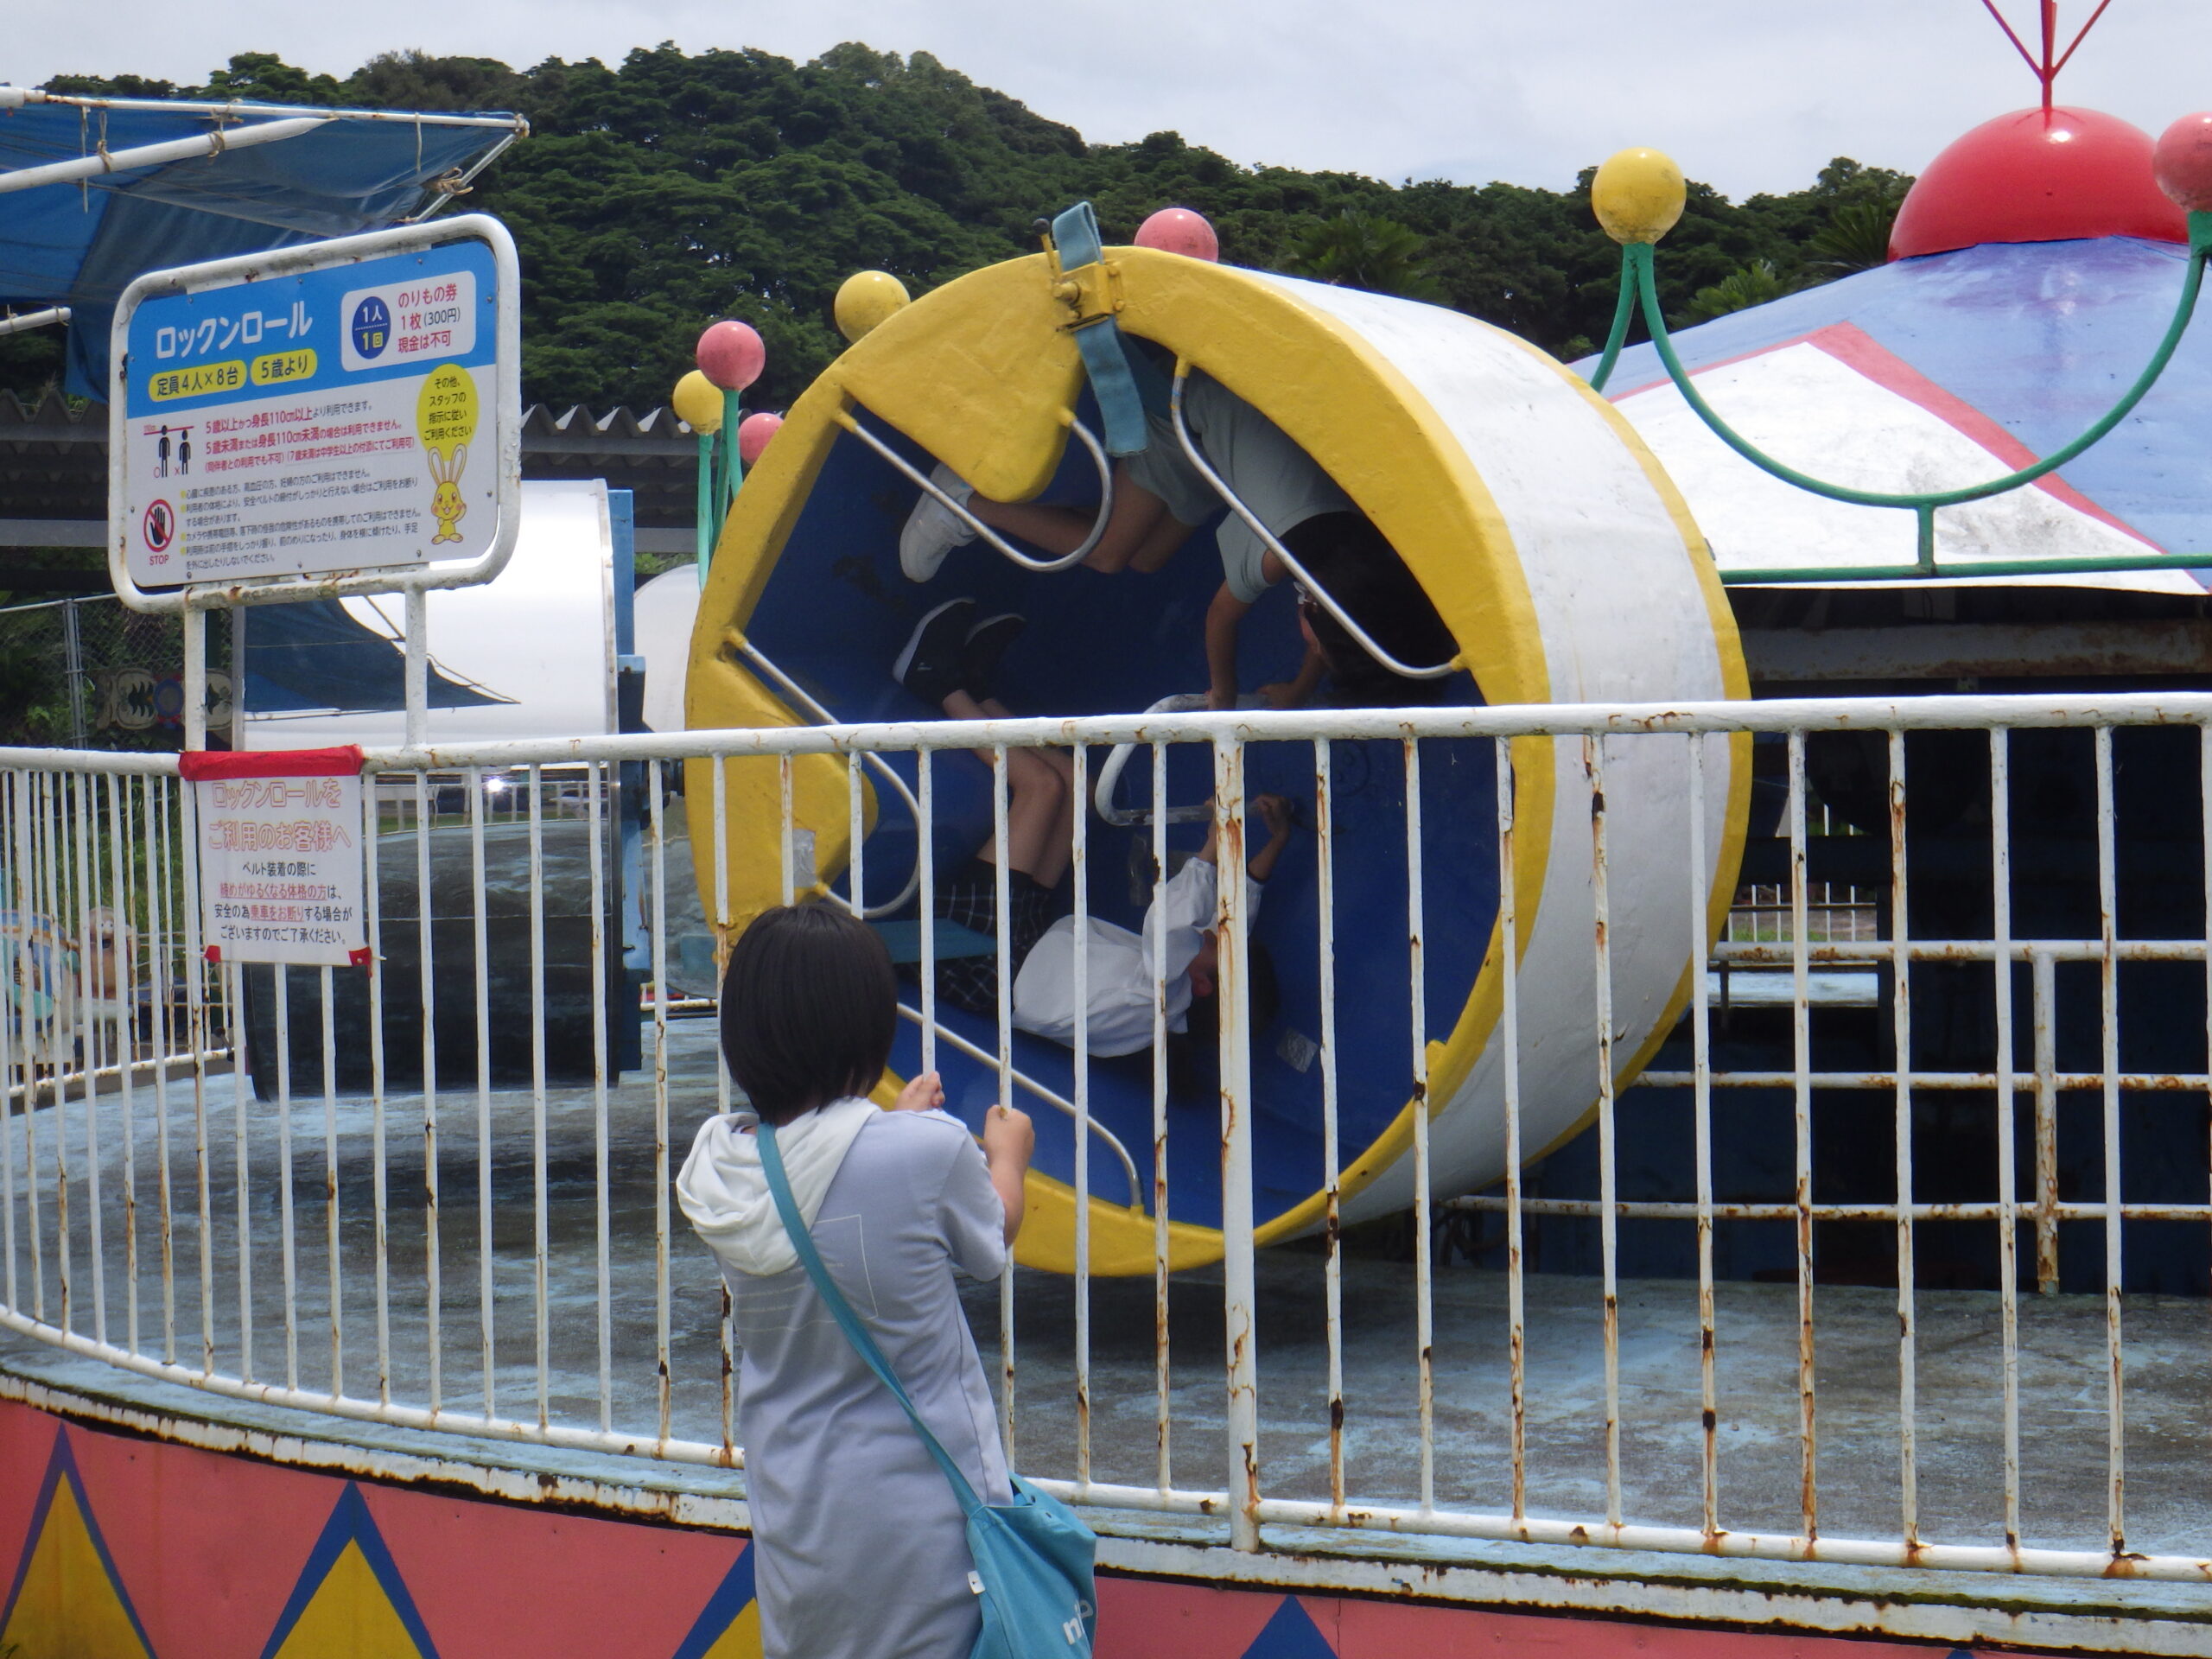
pixel 866 299
pixel 1638 195
pixel 698 403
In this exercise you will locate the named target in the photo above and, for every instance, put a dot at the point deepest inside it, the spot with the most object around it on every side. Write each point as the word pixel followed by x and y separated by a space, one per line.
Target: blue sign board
pixel 335 419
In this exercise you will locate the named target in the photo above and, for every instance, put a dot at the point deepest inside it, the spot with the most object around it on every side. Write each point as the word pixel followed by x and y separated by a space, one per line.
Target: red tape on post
pixel 343 761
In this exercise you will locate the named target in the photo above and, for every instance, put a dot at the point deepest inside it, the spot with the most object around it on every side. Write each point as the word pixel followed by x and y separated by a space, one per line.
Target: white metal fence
pixel 486 1247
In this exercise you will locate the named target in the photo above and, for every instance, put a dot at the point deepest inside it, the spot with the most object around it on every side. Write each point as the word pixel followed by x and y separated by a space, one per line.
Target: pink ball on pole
pixel 731 355
pixel 753 433
pixel 1177 230
pixel 2182 162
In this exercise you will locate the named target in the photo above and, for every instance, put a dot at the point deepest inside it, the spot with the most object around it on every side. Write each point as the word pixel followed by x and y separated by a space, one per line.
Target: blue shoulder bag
pixel 1032 1556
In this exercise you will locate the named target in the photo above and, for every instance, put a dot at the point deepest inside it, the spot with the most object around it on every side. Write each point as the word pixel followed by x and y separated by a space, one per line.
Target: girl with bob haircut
pixel 862 1552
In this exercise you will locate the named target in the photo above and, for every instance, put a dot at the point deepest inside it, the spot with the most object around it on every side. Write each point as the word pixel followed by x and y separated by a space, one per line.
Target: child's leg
pixel 1059 760
pixel 1036 820
pixel 1131 528
pixel 1060 840
pixel 1039 822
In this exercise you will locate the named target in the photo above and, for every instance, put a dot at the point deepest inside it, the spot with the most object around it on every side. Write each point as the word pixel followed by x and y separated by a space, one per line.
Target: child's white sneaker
pixel 933 530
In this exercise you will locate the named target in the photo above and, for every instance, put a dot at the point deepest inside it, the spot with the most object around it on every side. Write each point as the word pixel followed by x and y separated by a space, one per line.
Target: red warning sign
pixel 159 527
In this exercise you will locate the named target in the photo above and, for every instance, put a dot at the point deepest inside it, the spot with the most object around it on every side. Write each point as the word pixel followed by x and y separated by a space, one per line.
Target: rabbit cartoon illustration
pixel 447 505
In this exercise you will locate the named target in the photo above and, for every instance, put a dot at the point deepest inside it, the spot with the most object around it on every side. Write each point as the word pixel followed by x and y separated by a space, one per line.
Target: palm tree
pixel 1755 284
pixel 1369 251
pixel 1856 236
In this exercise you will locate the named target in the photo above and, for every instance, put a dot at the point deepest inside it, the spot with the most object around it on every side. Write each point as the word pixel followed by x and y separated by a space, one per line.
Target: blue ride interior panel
pixel 834 617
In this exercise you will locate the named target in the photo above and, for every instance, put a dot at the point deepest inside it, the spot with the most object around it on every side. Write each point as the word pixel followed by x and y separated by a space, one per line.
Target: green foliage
pixel 1367 251
pixel 1755 284
pixel 1856 238
pixel 31 362
pixel 661 194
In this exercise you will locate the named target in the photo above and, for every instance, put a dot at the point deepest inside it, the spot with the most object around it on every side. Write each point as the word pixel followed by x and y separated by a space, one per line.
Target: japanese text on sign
pixel 337 420
pixel 281 869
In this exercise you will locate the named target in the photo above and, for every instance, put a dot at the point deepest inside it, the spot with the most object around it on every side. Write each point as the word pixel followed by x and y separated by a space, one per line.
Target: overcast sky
pixel 1747 94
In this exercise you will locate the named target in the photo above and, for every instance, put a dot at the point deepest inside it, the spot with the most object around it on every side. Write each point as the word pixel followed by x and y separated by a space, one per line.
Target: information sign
pixel 302 420
pixel 280 860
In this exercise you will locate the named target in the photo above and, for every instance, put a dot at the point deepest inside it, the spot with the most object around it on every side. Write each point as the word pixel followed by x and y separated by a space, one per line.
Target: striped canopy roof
pixel 1941 372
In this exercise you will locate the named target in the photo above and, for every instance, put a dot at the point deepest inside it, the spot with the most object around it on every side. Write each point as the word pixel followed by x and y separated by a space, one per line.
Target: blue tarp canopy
pixel 1944 370
pixel 80 243
pixel 314 656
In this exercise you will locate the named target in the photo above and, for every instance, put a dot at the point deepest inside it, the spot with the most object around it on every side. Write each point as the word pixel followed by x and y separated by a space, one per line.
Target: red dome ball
pixel 753 433
pixel 731 355
pixel 2038 175
pixel 1177 230
pixel 2182 162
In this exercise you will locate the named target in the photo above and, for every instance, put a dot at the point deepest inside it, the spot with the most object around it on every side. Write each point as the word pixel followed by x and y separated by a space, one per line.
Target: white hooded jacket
pixel 725 1192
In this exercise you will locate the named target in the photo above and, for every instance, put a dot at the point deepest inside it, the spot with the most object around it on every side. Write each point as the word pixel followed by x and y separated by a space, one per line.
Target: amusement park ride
pixel 1493 925
pixel 1538 520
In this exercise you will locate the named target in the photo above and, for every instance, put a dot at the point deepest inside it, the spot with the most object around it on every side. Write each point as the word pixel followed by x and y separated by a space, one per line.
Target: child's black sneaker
pixel 987 643
pixel 933 665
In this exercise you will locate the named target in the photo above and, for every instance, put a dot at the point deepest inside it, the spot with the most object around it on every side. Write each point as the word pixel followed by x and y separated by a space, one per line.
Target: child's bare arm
pixel 1293 694
pixel 1225 617
pixel 1010 1138
pixel 1274 812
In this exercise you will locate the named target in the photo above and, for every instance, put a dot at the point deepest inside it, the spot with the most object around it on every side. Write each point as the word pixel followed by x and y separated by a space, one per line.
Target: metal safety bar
pixel 791 689
pixel 1268 537
pixel 845 419
pixel 1103 798
pixel 1060 1104
pixel 371 1230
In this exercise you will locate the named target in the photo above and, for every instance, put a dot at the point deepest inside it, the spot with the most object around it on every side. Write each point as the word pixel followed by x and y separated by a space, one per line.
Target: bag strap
pixel 772 1165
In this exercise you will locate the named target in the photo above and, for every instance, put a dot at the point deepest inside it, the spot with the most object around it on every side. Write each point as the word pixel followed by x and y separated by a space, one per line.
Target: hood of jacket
pixel 724 1191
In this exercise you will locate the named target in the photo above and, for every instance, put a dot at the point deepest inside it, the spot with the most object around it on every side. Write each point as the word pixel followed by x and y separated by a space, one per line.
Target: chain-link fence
pixel 86 673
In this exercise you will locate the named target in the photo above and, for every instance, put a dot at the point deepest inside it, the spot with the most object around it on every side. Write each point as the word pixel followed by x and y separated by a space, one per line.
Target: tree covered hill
pixel 654 197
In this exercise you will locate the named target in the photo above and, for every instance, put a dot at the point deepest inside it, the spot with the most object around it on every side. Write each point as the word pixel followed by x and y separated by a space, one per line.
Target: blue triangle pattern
pixel 1291 1634
pixel 724 1605
pixel 61 1466
pixel 350 1522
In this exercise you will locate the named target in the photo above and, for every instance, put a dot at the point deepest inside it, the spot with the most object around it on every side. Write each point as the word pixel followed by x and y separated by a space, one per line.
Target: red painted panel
pixel 1147 1618
pixel 26 1443
pixel 207 1545
pixel 490 1580
pixel 209 1548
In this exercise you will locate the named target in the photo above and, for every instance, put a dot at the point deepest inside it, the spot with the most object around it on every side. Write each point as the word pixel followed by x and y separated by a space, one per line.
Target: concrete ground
pixel 2167 1355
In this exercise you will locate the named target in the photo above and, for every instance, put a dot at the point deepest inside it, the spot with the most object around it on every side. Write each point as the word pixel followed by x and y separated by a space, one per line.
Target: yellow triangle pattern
pixel 742 1639
pixel 68 1608
pixel 349 1617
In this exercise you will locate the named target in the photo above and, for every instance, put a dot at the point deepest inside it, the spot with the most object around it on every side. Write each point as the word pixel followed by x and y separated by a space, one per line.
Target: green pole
pixel 705 513
pixel 1619 337
pixel 1963 568
pixel 731 468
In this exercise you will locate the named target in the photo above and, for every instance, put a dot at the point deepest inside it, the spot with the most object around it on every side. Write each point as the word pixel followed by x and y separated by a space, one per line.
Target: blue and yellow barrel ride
pixel 1550 542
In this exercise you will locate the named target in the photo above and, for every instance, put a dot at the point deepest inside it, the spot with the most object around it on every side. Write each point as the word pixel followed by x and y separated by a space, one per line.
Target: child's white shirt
pixel 1121 982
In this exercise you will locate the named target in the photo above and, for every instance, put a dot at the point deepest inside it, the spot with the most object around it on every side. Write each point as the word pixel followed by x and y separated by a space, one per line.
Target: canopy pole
pixel 29 320
pixel 176 149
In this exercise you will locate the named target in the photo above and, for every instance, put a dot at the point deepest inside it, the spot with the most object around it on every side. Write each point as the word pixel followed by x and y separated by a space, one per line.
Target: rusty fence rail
pixel 365 1232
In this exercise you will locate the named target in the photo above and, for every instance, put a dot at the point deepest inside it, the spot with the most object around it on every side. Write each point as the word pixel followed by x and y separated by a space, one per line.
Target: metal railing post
pixel 1233 988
